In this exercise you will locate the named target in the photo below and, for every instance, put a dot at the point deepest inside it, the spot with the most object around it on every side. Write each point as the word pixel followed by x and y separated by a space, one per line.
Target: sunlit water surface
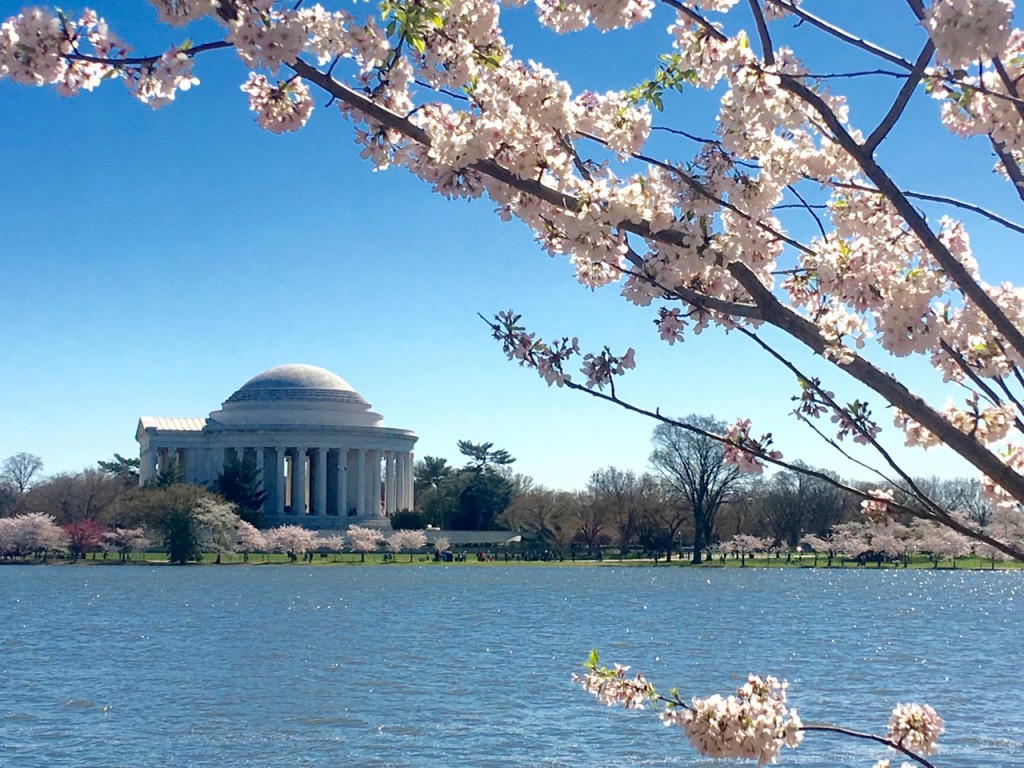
pixel 470 666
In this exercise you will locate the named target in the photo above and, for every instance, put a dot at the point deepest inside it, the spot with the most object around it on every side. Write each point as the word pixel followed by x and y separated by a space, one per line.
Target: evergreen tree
pixel 239 483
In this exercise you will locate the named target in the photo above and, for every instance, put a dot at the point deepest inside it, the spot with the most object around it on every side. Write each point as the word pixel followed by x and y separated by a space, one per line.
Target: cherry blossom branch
pixel 1010 165
pixel 956 271
pixel 755 723
pixel 804 331
pixel 867 436
pixel 1010 85
pixel 144 61
pixel 962 364
pixel 773 311
pixel 868 737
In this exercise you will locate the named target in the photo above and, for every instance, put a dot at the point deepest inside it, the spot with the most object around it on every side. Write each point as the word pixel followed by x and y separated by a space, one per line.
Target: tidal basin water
pixel 469 666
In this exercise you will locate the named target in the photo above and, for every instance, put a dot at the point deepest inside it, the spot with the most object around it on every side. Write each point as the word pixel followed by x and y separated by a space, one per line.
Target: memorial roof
pixel 296 383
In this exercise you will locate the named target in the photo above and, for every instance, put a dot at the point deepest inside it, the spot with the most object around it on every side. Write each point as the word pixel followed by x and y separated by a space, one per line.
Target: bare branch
pixel 843 35
pixel 902 99
pixel 762 32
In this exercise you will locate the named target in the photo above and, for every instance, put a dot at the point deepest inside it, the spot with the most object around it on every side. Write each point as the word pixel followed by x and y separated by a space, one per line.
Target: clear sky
pixel 153 261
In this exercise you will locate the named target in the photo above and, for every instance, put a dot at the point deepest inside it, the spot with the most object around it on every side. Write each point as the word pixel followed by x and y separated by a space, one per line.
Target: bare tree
pixel 548 513
pixel 695 468
pixel 618 494
pixel 20 469
pixel 72 497
pixel 795 503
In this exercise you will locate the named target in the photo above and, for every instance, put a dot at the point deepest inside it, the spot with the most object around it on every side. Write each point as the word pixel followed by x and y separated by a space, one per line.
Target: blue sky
pixel 153 261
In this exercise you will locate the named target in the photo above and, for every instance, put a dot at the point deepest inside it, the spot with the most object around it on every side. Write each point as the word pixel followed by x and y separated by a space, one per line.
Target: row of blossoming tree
pixel 217 529
pixel 862 540
pixel 781 220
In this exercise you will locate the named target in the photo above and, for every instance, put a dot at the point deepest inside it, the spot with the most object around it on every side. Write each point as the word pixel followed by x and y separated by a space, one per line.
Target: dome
pixel 297 383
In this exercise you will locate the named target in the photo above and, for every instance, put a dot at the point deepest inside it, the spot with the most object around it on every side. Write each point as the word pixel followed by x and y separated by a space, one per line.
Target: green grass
pixel 918 562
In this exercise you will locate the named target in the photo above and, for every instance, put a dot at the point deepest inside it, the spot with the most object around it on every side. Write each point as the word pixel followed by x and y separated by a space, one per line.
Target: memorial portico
pixel 325 459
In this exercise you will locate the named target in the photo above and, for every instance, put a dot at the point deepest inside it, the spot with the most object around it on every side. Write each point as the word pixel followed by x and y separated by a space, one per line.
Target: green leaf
pixel 592 659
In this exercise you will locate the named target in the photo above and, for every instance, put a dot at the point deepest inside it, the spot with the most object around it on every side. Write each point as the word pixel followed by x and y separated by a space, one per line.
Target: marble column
pixel 390 484
pixel 319 506
pixel 361 510
pixel 279 480
pixel 373 482
pixel 410 480
pixel 261 458
pixel 147 467
pixel 342 485
pixel 298 499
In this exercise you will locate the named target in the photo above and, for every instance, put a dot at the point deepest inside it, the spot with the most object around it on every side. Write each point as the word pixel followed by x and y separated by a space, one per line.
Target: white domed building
pixel 326 460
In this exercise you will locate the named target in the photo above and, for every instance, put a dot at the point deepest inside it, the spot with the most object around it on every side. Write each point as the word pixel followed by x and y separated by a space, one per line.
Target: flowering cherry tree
pixel 363 540
pixel 293 539
pixel 249 539
pixel 406 541
pixel 33 533
pixel 124 541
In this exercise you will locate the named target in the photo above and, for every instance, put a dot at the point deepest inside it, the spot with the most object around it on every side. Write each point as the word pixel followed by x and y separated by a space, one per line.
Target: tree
pixel 250 540
pixel 71 497
pixel 406 541
pixel 172 474
pixel 486 487
pixel 20 470
pixel 31 534
pixel 182 535
pixel 217 526
pixel 695 467
pixel 83 537
pixel 125 470
pixel 124 541
pixel 363 540
pixel 547 513
pixel 621 494
pixel 239 482
pixel 437 488
pixel 293 539
pixel 794 503
pixel 744 545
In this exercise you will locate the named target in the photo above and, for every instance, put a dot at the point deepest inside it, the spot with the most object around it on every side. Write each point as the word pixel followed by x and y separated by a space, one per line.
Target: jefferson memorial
pixel 325 459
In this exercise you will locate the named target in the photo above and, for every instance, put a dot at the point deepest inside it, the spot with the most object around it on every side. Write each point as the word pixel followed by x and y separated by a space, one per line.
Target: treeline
pixel 692 500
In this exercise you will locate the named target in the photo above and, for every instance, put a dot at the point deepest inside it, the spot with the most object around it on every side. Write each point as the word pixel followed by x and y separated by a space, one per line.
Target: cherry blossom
pixel 915 727
pixel 280 108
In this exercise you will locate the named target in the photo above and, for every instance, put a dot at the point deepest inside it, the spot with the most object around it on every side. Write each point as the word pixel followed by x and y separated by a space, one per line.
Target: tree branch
pixel 956 271
pixel 902 99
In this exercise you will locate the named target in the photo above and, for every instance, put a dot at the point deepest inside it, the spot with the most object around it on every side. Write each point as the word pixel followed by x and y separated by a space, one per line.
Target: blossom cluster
pixel 966 31
pixel 754 724
pixel 916 727
pixel 746 452
pixel 614 686
pixel 876 508
pixel 279 108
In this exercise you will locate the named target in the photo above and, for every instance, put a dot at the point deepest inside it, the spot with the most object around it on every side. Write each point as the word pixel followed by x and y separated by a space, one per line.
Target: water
pixel 434 666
